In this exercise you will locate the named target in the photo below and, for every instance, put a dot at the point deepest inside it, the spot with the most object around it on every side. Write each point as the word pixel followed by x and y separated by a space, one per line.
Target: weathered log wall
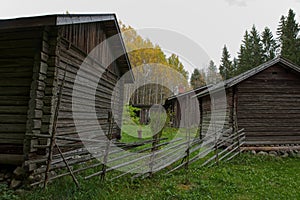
pixel 33 62
pixel 20 50
pixel 215 114
pixel 269 107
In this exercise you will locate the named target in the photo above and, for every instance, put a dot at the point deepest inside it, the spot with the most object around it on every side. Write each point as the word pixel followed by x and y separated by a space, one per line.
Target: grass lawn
pixel 245 177
pixel 129 133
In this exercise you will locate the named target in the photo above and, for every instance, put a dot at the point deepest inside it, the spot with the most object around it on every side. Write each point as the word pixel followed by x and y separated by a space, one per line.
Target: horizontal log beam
pixel 11 159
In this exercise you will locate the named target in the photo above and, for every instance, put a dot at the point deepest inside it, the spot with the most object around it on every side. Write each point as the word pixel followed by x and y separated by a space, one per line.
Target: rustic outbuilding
pixel 39 59
pixel 264 101
pixel 182 108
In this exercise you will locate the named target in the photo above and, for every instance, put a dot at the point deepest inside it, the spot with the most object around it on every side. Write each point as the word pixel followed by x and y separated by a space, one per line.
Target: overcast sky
pixel 210 23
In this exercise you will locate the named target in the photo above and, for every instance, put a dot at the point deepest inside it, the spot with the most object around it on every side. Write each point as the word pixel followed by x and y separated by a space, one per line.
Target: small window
pixel 274 72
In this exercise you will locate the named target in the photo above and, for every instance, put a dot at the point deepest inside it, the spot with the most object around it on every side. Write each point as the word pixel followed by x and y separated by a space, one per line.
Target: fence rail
pixel 148 157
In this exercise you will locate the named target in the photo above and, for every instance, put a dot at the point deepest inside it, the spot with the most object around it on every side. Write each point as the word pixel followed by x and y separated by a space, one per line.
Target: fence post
pixel 216 150
pixel 154 148
pixel 109 138
pixel 53 140
pixel 239 145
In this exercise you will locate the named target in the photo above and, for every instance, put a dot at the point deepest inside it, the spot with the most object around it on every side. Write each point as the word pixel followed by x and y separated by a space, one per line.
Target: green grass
pixel 168 134
pixel 130 134
pixel 245 177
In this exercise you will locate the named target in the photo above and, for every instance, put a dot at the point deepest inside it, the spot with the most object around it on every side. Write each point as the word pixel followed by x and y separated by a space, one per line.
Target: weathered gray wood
pixel 15 141
pixel 269 106
pixel 270 148
pixel 11 159
pixel 258 142
pixel 32 63
pixel 67 165
pixel 52 140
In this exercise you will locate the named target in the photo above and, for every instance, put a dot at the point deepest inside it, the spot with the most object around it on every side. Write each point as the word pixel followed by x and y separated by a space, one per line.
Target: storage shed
pixel 182 108
pixel 40 54
pixel 265 101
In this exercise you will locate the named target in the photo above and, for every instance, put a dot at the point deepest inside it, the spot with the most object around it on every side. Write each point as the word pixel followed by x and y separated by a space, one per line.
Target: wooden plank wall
pixel 187 113
pixel 70 56
pixel 223 116
pixel 269 107
pixel 18 53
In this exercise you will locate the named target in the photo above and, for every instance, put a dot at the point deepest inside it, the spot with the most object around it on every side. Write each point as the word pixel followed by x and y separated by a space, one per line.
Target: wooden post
pixel 52 140
pixel 216 150
pixel 67 165
pixel 153 150
pixel 234 115
pixel 234 109
pixel 187 161
pixel 214 131
pixel 188 129
pixel 187 158
pixel 107 149
pixel 201 119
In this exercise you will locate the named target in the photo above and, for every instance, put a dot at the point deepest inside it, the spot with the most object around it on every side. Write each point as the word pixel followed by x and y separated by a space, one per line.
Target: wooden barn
pixel 178 106
pixel 265 101
pixel 39 59
pixel 143 113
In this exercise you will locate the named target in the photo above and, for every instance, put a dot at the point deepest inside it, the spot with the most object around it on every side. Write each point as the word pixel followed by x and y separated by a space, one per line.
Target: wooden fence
pixel 159 154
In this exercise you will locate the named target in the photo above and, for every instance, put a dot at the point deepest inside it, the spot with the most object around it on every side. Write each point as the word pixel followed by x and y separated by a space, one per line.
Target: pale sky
pixel 210 23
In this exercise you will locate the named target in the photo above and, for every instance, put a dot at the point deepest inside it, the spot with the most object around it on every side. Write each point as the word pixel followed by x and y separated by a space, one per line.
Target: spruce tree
pixel 280 28
pixel 244 55
pixel 257 57
pixel 197 78
pixel 269 44
pixel 251 52
pixel 235 66
pixel 288 35
pixel 225 68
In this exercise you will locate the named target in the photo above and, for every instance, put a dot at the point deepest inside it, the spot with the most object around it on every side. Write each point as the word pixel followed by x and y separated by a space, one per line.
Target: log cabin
pixel 178 108
pixel 40 57
pixel 264 101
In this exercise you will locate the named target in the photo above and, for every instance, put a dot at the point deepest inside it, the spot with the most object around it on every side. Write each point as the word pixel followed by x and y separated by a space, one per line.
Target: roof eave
pixel 54 20
pixel 68 19
pixel 131 79
pixel 232 82
pixel 83 18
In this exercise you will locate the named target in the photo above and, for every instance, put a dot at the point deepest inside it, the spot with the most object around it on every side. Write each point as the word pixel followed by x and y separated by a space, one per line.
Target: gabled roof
pixel 109 21
pixel 55 20
pixel 237 79
pixel 197 90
